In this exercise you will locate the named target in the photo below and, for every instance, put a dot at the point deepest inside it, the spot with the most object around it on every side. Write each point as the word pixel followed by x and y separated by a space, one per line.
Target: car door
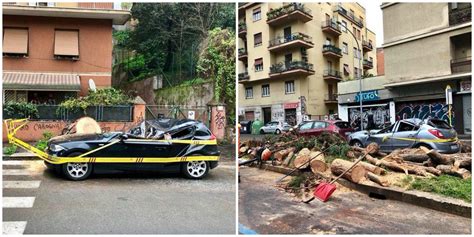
pixel 382 138
pixel 318 128
pixel 305 129
pixel 404 135
pixel 273 127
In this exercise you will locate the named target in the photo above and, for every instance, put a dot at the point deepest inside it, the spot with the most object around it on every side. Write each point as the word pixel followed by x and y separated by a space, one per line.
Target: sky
pixel 374 19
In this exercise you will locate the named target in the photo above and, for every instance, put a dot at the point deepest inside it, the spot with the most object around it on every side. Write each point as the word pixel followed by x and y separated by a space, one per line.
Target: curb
pixel 418 198
pixel 23 157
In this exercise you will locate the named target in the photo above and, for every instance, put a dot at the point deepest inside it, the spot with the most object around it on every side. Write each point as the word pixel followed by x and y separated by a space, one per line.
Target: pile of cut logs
pixel 416 161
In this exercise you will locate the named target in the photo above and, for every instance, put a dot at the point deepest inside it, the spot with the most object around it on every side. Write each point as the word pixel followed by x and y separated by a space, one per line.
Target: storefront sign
pixel 290 105
pixel 368 96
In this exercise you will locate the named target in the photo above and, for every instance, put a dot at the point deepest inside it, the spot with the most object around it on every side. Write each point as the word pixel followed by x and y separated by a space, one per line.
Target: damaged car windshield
pixel 165 129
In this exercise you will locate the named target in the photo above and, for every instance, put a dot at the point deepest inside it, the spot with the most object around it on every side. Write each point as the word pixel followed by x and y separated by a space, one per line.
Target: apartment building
pixel 427 47
pixel 51 50
pixel 292 55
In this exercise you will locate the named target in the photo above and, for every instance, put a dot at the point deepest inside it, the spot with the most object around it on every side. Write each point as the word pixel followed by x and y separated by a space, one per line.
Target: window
pixel 258 64
pixel 354 31
pixel 257 14
pixel 345 48
pixel 288 58
pixel 248 92
pixel 307 126
pixel 356 72
pixel 344 26
pixel 66 43
pixel 356 53
pixel 319 125
pixel 371 59
pixel 328 41
pixel 358 34
pixel 346 70
pixel 405 127
pixel 15 41
pixel 257 39
pixel 289 87
pixel 265 90
pixel 287 33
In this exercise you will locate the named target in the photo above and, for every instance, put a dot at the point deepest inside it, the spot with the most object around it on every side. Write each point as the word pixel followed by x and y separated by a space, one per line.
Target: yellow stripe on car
pixel 384 139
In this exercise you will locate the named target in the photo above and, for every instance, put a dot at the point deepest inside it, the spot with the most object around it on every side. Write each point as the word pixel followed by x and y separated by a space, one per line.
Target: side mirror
pixel 123 137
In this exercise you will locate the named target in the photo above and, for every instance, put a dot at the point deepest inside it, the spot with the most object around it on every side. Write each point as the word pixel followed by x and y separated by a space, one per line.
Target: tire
pixel 76 171
pixel 261 131
pixel 277 131
pixel 195 169
pixel 356 143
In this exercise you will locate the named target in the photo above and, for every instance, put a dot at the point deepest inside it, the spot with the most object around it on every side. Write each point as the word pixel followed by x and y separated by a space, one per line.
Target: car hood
pixel 83 137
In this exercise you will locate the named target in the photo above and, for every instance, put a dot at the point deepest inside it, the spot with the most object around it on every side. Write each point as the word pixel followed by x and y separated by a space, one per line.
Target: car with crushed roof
pixel 410 133
pixel 165 145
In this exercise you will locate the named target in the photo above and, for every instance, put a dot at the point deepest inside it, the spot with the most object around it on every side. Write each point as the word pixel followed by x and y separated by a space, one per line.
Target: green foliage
pixel 106 96
pixel 42 144
pixel 21 109
pixel 218 63
pixel 296 181
pixel 339 150
pixel 445 185
pixel 9 150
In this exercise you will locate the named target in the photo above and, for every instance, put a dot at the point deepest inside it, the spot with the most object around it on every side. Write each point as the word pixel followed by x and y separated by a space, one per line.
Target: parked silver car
pixel 275 127
pixel 410 133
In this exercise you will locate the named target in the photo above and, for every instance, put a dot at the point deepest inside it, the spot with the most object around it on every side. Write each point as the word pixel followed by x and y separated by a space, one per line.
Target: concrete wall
pixel 95 48
pixel 190 95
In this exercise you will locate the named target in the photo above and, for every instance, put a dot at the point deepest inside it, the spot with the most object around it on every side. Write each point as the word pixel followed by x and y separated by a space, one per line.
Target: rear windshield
pixel 439 124
pixel 343 124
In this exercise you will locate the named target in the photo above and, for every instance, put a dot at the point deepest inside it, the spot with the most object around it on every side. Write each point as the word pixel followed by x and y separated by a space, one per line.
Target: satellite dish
pixel 92 85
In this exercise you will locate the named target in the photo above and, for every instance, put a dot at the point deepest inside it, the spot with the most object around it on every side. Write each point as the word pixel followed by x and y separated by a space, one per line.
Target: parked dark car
pixel 410 133
pixel 151 139
pixel 316 127
pixel 245 127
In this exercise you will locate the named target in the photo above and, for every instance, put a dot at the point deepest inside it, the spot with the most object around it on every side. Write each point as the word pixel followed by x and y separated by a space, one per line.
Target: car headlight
pixel 56 148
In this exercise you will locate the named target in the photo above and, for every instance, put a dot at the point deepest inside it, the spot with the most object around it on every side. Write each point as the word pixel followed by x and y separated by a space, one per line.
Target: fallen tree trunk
pixel 281 155
pixel 449 170
pixel 317 163
pixel 377 179
pixel 372 168
pixel 355 175
pixel 438 158
pixel 419 158
pixel 372 149
pixel 372 160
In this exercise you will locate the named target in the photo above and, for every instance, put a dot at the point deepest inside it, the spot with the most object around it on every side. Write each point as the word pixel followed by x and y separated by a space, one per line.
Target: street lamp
pixel 358 74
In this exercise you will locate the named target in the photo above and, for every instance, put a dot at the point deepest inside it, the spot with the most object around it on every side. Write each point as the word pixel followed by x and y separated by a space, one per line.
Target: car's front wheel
pixel 76 171
pixel 261 131
pixel 195 169
pixel 356 143
pixel 277 131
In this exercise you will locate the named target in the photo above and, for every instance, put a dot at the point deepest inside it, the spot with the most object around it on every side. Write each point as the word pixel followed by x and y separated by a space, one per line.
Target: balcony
pixel 461 65
pixel 332 51
pixel 330 98
pixel 291 69
pixel 367 64
pixel 460 15
pixel 242 30
pixel 244 76
pixel 243 55
pixel 349 16
pixel 367 46
pixel 331 75
pixel 331 27
pixel 288 13
pixel 295 40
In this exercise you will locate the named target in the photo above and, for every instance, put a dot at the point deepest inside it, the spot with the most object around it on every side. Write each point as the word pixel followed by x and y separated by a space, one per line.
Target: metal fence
pixel 116 113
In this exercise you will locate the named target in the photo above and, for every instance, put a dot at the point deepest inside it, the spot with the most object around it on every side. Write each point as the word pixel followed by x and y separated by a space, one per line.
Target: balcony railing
pixel 461 65
pixel 331 49
pixel 242 52
pixel 459 16
pixel 291 65
pixel 331 26
pixel 366 45
pixel 288 38
pixel 289 9
pixel 368 64
pixel 243 76
pixel 332 74
pixel 349 16
pixel 330 98
pixel 242 26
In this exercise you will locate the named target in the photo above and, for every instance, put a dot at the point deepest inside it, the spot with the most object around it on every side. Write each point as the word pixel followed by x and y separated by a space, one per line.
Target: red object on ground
pixel 324 190
pixel 266 154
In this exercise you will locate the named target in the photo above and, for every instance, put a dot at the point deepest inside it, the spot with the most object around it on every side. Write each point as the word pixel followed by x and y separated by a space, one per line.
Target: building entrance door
pixel 466 102
pixel 267 115
pixel 290 116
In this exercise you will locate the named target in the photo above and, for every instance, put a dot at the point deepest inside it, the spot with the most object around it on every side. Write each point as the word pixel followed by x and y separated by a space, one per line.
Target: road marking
pixel 18 202
pixel 21 184
pixel 13 227
pixel 16 172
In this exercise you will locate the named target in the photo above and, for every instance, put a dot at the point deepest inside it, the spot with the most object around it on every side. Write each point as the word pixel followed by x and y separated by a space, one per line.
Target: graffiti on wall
pixel 375 117
pixel 423 110
pixel 219 120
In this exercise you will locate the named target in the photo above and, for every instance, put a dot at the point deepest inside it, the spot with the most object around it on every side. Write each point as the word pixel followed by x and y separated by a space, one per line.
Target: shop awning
pixel 41 81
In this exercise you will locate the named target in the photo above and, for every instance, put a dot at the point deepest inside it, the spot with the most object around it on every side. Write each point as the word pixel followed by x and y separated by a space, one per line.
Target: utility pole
pixel 358 74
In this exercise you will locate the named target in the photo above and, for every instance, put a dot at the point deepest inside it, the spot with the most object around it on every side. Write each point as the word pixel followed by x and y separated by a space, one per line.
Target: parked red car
pixel 316 127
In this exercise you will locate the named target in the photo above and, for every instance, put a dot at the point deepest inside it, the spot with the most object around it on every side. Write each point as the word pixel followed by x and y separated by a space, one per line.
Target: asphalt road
pixel 118 203
pixel 266 210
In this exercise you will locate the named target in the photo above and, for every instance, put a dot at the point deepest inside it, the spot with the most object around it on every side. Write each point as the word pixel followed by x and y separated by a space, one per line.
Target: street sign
pixel 191 114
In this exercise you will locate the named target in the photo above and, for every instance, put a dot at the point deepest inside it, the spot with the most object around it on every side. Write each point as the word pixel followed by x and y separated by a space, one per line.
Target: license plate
pixel 454 147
